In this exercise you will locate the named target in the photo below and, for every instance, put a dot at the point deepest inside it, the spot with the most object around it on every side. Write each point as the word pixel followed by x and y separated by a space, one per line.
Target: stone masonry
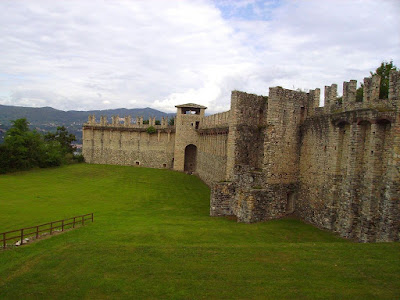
pixel 337 166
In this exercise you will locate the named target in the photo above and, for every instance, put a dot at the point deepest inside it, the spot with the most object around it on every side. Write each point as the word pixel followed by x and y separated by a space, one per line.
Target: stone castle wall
pixel 128 144
pixel 212 152
pixel 211 155
pixel 349 174
pixel 337 166
pixel 122 142
pixel 215 121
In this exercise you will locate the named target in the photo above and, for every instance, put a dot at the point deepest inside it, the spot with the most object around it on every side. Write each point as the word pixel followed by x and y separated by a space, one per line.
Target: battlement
pixel 330 95
pixel 126 122
pixel 394 85
pixel 351 101
pixel 371 88
pixel 215 121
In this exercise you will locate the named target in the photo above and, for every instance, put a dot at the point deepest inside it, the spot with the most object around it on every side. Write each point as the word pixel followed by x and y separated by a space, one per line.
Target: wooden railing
pixel 36 231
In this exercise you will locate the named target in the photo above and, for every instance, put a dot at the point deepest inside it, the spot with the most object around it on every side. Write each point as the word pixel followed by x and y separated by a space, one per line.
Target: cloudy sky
pixel 87 54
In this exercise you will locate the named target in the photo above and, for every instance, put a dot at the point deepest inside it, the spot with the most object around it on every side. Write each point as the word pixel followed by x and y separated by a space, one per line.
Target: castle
pixel 337 166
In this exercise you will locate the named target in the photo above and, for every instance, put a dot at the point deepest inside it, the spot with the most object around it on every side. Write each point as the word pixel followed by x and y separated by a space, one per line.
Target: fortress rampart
pixel 125 143
pixel 215 121
pixel 337 166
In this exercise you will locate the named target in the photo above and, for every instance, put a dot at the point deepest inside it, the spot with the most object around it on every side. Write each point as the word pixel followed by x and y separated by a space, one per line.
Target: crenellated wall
pixel 216 120
pixel 122 142
pixel 128 144
pixel 349 180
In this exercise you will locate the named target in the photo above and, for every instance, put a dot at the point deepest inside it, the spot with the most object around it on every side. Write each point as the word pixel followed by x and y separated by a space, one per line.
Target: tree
pixel 4 159
pixel 24 149
pixel 171 121
pixel 383 71
pixel 52 155
pixel 23 145
pixel 64 138
pixel 360 93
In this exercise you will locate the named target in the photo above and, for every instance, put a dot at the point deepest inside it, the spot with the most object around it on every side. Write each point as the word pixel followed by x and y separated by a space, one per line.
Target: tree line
pixel 24 149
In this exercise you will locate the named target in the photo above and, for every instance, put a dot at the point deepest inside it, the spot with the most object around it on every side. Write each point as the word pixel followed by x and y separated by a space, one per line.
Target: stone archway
pixel 190 158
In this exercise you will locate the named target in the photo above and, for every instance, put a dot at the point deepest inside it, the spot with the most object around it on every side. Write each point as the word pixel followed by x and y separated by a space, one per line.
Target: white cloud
pixel 109 54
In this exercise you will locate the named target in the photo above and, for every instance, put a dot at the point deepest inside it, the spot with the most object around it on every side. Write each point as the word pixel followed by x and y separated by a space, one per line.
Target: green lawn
pixel 153 238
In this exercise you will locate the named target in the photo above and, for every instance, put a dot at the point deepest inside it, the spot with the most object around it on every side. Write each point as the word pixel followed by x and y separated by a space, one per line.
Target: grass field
pixel 153 238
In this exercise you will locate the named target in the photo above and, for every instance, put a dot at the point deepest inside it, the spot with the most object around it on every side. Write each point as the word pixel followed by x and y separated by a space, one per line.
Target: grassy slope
pixel 152 238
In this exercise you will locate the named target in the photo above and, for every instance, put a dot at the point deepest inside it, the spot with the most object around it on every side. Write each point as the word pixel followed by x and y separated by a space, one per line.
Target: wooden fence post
pixel 73 223
pixel 4 240
pixel 22 236
pixel 51 228
pixel 92 217
pixel 37 231
pixel 62 225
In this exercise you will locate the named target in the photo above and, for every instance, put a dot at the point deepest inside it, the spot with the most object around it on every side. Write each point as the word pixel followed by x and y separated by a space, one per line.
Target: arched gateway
pixel 190 158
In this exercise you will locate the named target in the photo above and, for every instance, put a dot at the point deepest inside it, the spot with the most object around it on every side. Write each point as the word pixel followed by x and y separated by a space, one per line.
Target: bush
pixel 51 155
pixel 24 149
pixel 4 159
pixel 151 130
pixel 79 158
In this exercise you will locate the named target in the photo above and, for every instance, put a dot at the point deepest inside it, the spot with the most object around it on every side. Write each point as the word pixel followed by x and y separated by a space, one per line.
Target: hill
pixel 47 118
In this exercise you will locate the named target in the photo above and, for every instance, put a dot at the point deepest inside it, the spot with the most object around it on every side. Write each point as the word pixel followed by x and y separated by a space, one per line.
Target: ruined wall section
pixel 246 131
pixel 287 109
pixel 392 221
pixel 245 154
pixel 273 193
pixel 128 144
pixel 349 164
pixel 263 154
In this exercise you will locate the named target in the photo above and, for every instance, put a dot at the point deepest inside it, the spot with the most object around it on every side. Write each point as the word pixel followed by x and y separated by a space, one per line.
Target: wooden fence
pixel 36 231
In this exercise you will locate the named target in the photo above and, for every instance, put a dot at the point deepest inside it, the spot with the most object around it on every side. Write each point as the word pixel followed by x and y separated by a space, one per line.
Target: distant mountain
pixel 48 114
pixel 47 118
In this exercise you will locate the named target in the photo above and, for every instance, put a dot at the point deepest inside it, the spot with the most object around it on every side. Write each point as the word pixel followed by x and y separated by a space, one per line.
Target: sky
pixel 86 54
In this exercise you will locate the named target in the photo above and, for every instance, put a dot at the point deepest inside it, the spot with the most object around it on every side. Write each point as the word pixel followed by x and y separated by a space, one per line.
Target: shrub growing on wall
pixel 151 130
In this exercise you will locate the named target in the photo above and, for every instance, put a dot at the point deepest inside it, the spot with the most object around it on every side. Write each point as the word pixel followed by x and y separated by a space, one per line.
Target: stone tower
pixel 188 117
